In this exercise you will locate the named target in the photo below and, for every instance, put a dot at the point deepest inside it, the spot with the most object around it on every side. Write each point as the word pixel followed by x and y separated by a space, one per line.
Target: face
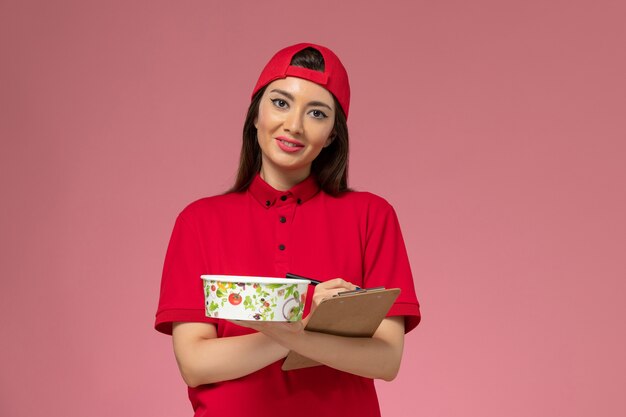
pixel 294 123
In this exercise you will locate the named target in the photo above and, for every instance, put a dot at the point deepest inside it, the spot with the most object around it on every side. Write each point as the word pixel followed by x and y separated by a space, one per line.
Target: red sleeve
pixel 386 262
pixel 182 295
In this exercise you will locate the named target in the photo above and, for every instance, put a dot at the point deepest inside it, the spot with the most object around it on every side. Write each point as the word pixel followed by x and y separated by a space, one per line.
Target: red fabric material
pixel 355 236
pixel 334 78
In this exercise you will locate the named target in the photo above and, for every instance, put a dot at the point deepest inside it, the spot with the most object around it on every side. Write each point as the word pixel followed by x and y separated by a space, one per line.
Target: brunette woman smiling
pixel 289 210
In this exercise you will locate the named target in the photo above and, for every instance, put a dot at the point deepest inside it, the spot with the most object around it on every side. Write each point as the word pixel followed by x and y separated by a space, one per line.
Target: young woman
pixel 289 211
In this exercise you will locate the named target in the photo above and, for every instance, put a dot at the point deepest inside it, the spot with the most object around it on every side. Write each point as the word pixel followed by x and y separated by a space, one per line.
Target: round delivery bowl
pixel 239 297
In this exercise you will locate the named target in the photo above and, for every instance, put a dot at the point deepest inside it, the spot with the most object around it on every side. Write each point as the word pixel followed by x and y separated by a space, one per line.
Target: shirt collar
pixel 266 195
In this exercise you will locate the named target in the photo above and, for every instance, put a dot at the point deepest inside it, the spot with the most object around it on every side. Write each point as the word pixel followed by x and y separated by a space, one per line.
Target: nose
pixel 293 123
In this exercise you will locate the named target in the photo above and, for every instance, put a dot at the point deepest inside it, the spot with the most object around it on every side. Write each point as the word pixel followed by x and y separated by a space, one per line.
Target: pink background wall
pixel 496 128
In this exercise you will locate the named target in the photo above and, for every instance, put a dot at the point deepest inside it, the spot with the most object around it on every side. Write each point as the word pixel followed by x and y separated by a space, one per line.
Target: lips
pixel 288 144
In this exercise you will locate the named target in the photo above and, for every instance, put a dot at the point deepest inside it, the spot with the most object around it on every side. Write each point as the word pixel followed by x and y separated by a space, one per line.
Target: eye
pixel 318 114
pixel 280 103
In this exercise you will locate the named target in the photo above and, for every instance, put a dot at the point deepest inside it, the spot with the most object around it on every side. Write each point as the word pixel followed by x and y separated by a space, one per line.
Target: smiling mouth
pixel 289 144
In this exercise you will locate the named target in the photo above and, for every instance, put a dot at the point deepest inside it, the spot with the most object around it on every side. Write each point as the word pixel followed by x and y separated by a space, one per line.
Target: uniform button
pixel 299 201
pixel 282 219
pixel 281 247
pixel 267 203
pixel 283 197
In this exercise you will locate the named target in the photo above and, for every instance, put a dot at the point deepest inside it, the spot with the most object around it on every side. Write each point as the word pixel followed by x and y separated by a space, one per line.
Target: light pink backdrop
pixel 496 129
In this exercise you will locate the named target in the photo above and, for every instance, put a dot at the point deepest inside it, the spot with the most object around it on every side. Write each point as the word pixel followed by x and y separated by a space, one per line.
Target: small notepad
pixel 351 314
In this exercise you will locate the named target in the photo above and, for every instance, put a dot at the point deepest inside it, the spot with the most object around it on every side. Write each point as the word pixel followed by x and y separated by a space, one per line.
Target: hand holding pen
pixel 326 289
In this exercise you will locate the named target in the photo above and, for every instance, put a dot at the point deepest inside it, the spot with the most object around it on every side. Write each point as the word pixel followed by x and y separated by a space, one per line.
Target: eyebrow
pixel 292 98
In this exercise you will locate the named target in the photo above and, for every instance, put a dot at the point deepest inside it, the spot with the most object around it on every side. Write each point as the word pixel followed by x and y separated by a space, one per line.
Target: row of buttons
pixel 282 219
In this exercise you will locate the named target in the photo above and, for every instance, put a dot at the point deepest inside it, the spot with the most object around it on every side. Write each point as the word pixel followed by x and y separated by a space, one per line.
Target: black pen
pixel 313 281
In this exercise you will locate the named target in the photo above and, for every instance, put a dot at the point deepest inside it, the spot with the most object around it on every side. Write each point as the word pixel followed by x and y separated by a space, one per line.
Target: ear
pixel 256 121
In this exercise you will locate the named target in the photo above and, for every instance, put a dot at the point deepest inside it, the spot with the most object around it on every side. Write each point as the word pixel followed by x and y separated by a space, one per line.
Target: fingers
pixel 330 288
pixel 336 283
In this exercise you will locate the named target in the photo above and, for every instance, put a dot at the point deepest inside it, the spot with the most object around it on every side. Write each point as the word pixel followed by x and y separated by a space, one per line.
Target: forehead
pixel 302 89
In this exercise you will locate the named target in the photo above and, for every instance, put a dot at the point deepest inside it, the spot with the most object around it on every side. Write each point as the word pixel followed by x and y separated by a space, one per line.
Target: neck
pixel 280 180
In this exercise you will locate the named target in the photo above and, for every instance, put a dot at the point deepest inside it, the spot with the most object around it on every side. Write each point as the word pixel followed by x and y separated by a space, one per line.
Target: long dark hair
pixel 330 168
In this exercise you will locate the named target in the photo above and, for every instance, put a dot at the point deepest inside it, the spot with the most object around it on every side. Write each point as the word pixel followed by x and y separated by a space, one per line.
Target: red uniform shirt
pixel 266 232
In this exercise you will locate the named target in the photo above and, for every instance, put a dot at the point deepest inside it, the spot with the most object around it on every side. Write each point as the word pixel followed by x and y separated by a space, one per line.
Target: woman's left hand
pixel 329 289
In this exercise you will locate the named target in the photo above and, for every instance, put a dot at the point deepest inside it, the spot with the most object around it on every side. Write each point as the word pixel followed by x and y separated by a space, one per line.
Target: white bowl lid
pixel 253 279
